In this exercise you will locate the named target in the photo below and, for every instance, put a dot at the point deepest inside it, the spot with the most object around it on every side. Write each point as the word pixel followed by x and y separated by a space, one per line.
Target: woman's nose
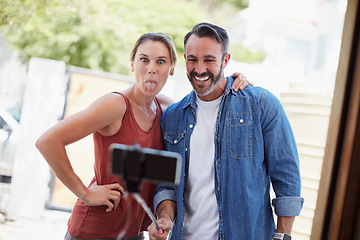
pixel 151 68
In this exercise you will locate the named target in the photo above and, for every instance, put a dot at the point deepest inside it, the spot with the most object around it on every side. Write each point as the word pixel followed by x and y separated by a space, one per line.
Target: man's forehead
pixel 207 46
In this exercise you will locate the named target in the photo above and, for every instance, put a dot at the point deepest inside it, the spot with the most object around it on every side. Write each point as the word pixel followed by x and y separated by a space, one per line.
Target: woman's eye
pixel 143 59
pixel 161 61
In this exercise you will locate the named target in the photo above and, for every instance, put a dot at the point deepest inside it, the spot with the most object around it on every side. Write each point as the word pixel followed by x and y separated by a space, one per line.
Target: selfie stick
pixel 147 209
pixel 133 188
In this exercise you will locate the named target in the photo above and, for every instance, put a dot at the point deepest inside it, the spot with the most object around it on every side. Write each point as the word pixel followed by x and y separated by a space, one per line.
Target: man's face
pixel 204 63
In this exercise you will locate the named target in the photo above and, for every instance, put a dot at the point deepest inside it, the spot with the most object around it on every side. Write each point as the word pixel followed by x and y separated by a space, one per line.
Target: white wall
pixel 44 101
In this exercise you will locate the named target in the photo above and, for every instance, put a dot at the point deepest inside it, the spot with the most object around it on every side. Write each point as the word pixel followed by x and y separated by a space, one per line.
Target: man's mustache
pixel 204 74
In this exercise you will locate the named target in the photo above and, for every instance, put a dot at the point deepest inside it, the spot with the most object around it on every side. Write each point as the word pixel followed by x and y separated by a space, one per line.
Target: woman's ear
pixel 172 70
pixel 132 67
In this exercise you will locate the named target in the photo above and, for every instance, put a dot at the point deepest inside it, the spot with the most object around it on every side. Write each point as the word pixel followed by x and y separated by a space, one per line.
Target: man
pixel 233 145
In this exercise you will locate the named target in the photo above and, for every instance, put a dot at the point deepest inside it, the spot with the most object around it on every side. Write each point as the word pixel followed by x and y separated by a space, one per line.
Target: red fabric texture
pixel 94 222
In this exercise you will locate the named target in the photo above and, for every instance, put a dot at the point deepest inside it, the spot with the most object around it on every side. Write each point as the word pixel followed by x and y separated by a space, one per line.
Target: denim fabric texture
pixel 254 148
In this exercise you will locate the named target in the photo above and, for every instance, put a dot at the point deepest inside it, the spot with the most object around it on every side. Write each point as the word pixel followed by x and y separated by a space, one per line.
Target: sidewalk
pixel 50 226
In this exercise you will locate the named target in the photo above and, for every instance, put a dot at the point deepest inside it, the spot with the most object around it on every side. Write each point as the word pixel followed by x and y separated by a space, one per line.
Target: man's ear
pixel 226 60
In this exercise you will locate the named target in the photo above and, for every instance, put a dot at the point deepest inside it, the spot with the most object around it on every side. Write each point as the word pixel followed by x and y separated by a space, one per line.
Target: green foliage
pixel 91 33
pixel 12 12
pixel 238 4
pixel 248 55
pixel 99 34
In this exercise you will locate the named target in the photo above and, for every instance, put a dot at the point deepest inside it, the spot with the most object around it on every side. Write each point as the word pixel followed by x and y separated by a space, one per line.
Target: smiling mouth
pixel 201 79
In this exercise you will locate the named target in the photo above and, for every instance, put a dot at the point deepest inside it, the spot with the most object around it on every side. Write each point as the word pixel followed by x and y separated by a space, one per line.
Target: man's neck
pixel 218 90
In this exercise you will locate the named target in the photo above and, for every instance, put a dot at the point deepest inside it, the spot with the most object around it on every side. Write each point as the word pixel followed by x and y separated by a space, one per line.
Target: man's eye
pixel 209 60
pixel 191 60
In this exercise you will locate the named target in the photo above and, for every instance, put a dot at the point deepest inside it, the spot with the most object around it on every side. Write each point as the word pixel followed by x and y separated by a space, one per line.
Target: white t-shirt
pixel 201 211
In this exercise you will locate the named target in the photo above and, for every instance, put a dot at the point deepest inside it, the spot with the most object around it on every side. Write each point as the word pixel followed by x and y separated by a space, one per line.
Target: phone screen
pixel 136 164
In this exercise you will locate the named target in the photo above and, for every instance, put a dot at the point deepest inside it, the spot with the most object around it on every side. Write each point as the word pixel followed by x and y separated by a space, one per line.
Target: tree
pixel 91 33
pixel 219 10
pixel 241 53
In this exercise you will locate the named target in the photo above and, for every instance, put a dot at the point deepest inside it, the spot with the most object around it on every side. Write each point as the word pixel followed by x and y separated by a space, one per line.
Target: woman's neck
pixel 144 102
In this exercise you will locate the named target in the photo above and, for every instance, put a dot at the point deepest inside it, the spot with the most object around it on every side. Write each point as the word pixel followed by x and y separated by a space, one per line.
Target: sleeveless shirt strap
pixel 128 102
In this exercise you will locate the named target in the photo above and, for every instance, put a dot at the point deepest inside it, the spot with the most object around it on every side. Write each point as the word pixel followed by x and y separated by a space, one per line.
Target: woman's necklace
pixel 142 108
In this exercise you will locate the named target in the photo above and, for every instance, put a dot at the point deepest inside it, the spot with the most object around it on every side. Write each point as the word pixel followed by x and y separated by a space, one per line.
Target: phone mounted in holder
pixel 134 164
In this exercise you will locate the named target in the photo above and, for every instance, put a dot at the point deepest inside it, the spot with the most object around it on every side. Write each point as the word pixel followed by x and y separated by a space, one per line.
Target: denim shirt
pixel 254 146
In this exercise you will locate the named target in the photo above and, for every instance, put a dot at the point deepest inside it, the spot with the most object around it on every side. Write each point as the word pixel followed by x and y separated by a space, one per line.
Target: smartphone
pixel 133 163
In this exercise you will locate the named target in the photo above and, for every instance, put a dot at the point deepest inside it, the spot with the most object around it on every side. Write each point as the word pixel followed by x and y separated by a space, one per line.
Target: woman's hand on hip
pixel 109 195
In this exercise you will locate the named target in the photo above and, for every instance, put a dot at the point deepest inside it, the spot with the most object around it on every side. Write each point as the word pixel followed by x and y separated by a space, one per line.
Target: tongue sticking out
pixel 150 86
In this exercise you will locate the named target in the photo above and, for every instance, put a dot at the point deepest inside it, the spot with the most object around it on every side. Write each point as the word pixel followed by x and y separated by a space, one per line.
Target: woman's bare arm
pixel 104 115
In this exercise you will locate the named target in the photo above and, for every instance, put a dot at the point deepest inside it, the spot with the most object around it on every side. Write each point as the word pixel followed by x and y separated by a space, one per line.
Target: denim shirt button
pixel 185 149
pixel 241 120
pixel 191 126
pixel 175 141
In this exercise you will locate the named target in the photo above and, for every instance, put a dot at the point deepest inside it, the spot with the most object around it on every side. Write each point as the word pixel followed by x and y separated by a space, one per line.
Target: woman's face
pixel 152 66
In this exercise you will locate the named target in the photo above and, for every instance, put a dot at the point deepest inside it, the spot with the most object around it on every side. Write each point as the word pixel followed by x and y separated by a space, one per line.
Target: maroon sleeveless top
pixel 94 222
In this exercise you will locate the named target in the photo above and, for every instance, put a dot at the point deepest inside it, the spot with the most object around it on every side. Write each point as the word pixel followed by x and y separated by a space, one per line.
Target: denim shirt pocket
pixel 239 136
pixel 172 139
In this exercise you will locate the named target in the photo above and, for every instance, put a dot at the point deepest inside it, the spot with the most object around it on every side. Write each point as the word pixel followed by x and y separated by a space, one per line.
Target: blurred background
pixel 57 56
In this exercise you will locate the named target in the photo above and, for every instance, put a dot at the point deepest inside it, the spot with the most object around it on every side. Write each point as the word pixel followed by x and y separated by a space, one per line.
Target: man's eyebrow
pixel 190 56
pixel 206 56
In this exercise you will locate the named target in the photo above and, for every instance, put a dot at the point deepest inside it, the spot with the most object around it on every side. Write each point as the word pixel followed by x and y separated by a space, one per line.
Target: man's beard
pixel 214 80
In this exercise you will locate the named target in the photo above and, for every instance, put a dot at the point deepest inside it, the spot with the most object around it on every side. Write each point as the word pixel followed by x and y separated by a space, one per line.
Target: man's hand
pixel 166 211
pixel 240 82
pixel 108 195
pixel 165 225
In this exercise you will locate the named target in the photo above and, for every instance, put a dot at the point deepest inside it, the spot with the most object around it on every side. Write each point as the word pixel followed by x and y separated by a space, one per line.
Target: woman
pixel 127 117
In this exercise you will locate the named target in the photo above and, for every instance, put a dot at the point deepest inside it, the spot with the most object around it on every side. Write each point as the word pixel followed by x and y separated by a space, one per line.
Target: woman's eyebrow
pixel 145 55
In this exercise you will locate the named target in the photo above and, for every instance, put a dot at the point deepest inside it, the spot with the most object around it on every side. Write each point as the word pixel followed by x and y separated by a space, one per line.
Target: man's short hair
pixel 210 30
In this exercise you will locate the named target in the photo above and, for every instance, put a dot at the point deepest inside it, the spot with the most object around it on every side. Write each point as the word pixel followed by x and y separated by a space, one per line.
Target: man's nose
pixel 200 68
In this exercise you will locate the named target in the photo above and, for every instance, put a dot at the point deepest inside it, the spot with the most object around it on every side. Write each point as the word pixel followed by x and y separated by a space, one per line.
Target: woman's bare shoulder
pixel 113 99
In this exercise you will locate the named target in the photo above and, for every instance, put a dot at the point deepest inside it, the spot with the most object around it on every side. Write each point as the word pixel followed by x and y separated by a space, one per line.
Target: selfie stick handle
pixel 147 209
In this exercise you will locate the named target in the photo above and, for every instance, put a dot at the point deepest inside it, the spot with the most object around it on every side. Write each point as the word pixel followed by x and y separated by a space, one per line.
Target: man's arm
pixel 282 162
pixel 285 224
pixel 167 210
